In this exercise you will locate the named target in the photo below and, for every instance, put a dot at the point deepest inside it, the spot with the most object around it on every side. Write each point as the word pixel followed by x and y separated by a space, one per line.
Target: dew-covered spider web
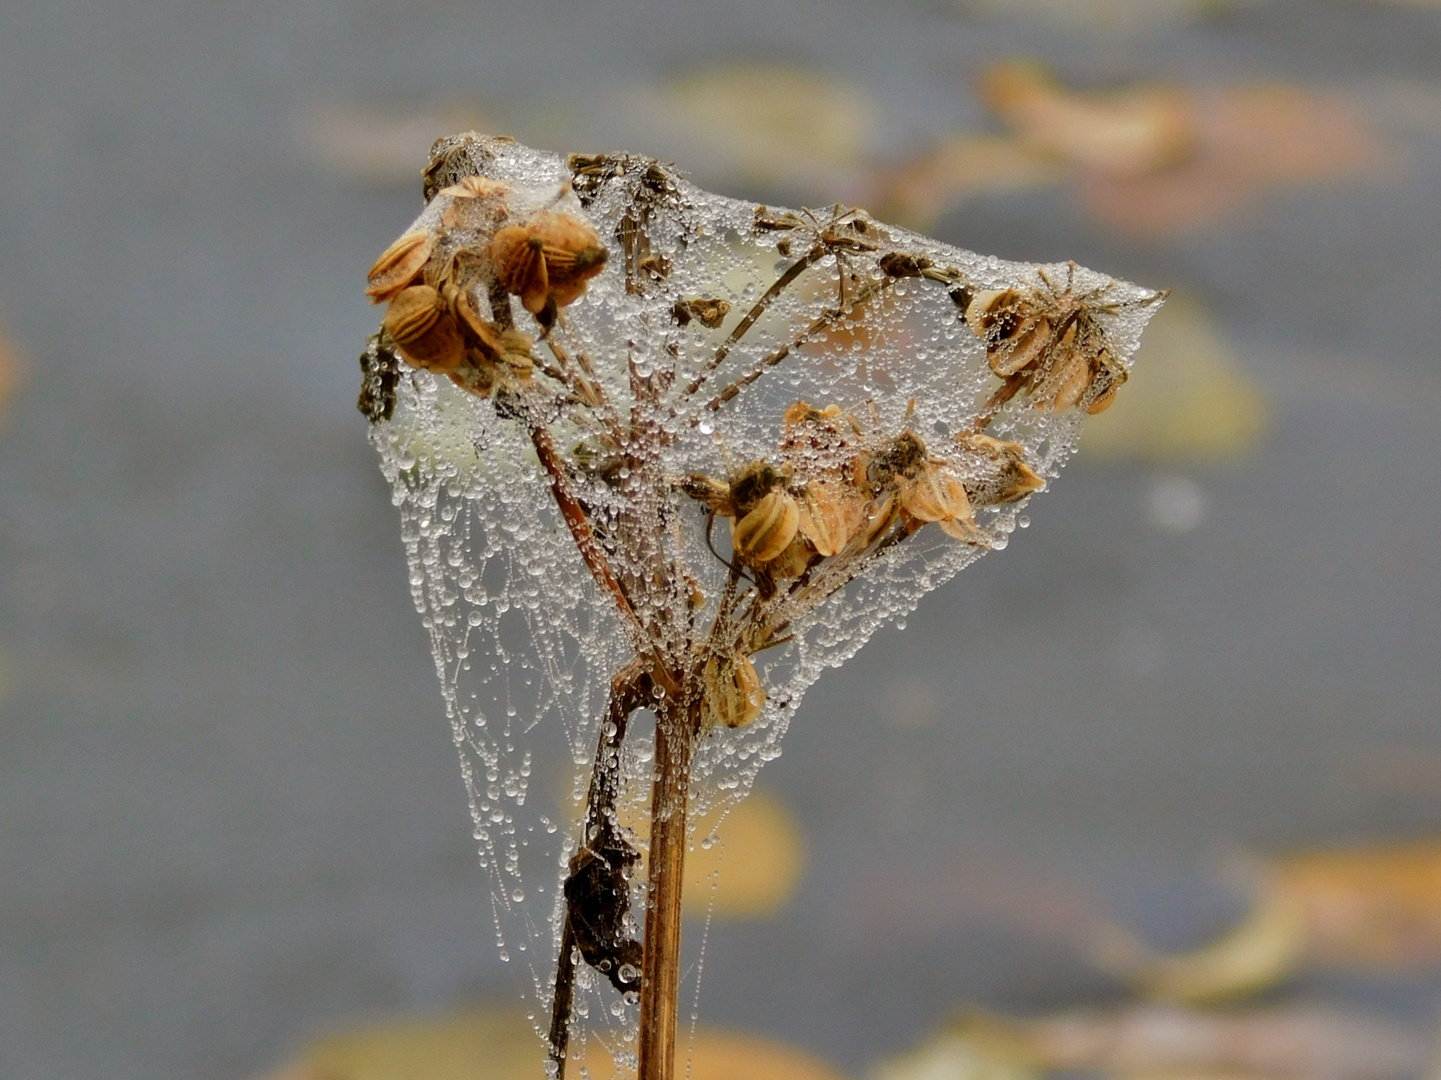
pixel 678 368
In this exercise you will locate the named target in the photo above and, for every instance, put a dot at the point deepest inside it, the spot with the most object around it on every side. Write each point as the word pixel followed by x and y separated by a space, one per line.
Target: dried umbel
pixel 698 451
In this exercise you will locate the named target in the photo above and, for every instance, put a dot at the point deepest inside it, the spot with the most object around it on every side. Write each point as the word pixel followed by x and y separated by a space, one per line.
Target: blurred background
pixel 1198 698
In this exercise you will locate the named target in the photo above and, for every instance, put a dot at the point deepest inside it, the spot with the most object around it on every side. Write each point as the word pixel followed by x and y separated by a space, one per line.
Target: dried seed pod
pixel 831 513
pixel 398 266
pixel 996 470
pixel 424 330
pixel 1013 326
pixel 520 266
pixel 936 494
pixel 710 313
pixel 767 530
pixel 549 258
pixel 793 561
pixel 733 692
pixel 1049 342
pixel 1107 379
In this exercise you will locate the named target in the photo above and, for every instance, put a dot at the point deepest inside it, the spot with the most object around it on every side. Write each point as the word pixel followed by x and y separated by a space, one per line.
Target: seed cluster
pixel 727 584
pixel 485 249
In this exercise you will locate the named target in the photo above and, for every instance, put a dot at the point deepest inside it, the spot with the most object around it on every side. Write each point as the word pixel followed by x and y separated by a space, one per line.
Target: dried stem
pixel 676 728
pixel 824 321
pixel 809 259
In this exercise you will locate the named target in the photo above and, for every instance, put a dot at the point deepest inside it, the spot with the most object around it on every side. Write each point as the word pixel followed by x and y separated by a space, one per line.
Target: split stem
pixel 660 972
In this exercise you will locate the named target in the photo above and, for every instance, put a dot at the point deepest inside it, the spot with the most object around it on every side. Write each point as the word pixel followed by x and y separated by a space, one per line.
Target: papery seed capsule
pixel 424 331
pixel 831 513
pixel 1107 380
pixel 935 495
pixel 520 266
pixel 793 561
pixel 734 695
pixel 996 471
pixel 766 531
pixel 398 266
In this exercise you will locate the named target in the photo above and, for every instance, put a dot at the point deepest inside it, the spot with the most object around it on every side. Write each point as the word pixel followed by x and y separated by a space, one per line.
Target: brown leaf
pixel 501 1045
pixel 1250 139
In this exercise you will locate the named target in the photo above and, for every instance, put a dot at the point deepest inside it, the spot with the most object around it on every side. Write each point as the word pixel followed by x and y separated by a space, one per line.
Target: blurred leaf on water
pixel 1250 140
pixel 1299 1041
pixel 767 126
pixel 379 146
pixel 500 1044
pixel 1189 398
pixel 746 865
pixel 1375 908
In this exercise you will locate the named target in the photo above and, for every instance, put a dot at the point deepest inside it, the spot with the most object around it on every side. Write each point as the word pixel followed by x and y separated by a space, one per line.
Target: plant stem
pixel 660 973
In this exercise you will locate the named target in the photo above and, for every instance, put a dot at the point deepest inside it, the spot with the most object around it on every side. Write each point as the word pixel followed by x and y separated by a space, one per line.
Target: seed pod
pixel 520 266
pixel 767 530
pixel 935 495
pixel 734 695
pixel 550 257
pixel 996 470
pixel 793 561
pixel 831 513
pixel 1107 380
pixel 424 330
pixel 398 266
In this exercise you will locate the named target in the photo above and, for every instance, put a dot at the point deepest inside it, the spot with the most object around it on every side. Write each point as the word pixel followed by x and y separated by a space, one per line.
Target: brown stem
pixel 799 267
pixel 629 691
pixel 822 322
pixel 660 971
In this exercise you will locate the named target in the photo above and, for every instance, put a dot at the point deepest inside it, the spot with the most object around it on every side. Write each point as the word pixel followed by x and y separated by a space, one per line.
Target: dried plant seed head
pixel 935 494
pixel 996 471
pixel 734 695
pixel 1107 379
pixel 756 480
pixel 714 493
pixel 767 530
pixel 709 313
pixel 424 330
pixel 793 561
pixel 398 266
pixel 831 513
pixel 477 205
pixel 520 266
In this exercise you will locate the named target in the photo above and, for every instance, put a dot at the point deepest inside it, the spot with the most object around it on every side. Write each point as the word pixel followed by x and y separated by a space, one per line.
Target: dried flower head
pixel 565 480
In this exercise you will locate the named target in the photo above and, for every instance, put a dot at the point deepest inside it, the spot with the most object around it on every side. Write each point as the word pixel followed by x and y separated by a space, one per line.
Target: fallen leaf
pixel 759 125
pixel 1131 132
pixel 500 1044
pixel 1372 908
pixel 917 192
pixel 12 368
pixel 746 864
pixel 1250 140
pixel 1190 400
pixel 1150 1040
pixel 1113 16
pixel 378 146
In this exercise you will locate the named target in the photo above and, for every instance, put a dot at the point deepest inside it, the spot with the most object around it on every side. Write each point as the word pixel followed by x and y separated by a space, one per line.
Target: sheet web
pixel 659 390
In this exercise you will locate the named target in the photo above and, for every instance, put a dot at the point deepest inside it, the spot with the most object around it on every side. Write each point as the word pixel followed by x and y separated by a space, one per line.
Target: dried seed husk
pixel 734 695
pixel 935 495
pixel 997 471
pixel 521 266
pixel 1107 380
pixel 573 252
pixel 424 331
pixel 793 561
pixel 398 266
pixel 767 530
pixel 831 513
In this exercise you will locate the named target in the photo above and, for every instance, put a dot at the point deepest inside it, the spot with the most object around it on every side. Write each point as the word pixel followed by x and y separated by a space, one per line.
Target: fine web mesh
pixel 526 643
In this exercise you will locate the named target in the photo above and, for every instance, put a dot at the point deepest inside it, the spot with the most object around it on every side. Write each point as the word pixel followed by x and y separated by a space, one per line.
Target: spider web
pixel 524 642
